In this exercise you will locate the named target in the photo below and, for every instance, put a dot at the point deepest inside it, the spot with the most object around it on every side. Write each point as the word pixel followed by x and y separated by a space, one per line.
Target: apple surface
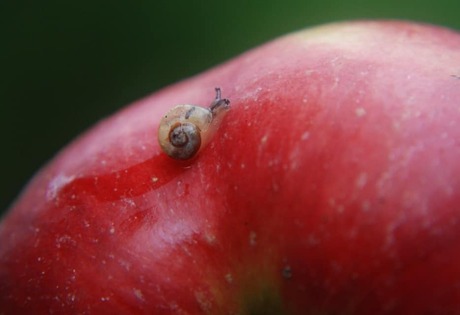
pixel 332 186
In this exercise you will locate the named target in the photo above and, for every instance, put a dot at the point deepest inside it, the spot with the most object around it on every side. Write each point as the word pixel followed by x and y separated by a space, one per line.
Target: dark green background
pixel 66 64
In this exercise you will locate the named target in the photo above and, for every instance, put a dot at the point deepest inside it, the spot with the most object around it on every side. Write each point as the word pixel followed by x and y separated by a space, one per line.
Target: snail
pixel 186 129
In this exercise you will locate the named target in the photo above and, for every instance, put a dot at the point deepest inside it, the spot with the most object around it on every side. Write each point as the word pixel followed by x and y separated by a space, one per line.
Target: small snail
pixel 186 129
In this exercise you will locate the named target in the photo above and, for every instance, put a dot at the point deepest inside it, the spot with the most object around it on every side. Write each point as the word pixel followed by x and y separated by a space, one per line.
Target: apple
pixel 332 186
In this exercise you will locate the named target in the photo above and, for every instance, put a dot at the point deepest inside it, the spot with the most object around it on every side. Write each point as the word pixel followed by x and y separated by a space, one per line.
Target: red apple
pixel 332 186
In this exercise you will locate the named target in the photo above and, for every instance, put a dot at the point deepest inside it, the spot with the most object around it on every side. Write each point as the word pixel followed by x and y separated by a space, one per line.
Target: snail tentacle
pixel 218 101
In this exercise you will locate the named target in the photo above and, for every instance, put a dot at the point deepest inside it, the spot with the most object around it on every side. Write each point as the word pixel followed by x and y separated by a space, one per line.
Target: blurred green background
pixel 66 64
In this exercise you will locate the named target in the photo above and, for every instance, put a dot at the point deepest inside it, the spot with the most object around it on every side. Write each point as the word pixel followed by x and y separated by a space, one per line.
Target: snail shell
pixel 186 129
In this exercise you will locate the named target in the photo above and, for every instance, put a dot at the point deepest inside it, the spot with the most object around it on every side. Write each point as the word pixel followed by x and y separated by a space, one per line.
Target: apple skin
pixel 331 187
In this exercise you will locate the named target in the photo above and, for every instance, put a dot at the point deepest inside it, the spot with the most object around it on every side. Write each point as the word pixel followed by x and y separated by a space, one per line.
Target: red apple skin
pixel 331 187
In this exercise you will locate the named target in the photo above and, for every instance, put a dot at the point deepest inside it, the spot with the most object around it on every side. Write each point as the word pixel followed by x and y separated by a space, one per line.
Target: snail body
pixel 186 129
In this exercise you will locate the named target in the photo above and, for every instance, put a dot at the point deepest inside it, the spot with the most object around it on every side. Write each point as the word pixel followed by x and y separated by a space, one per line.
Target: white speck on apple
pixel 155 179
pixel 360 112
pixel 210 238
pixel 138 294
pixel 305 136
pixel 65 239
pixel 272 162
pixel 71 297
pixel 229 277
pixel 180 189
pixel 130 202
pixel 361 180
pixel 73 277
pixel 253 238
pixel 125 264
pixel 264 139
pixel 203 301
